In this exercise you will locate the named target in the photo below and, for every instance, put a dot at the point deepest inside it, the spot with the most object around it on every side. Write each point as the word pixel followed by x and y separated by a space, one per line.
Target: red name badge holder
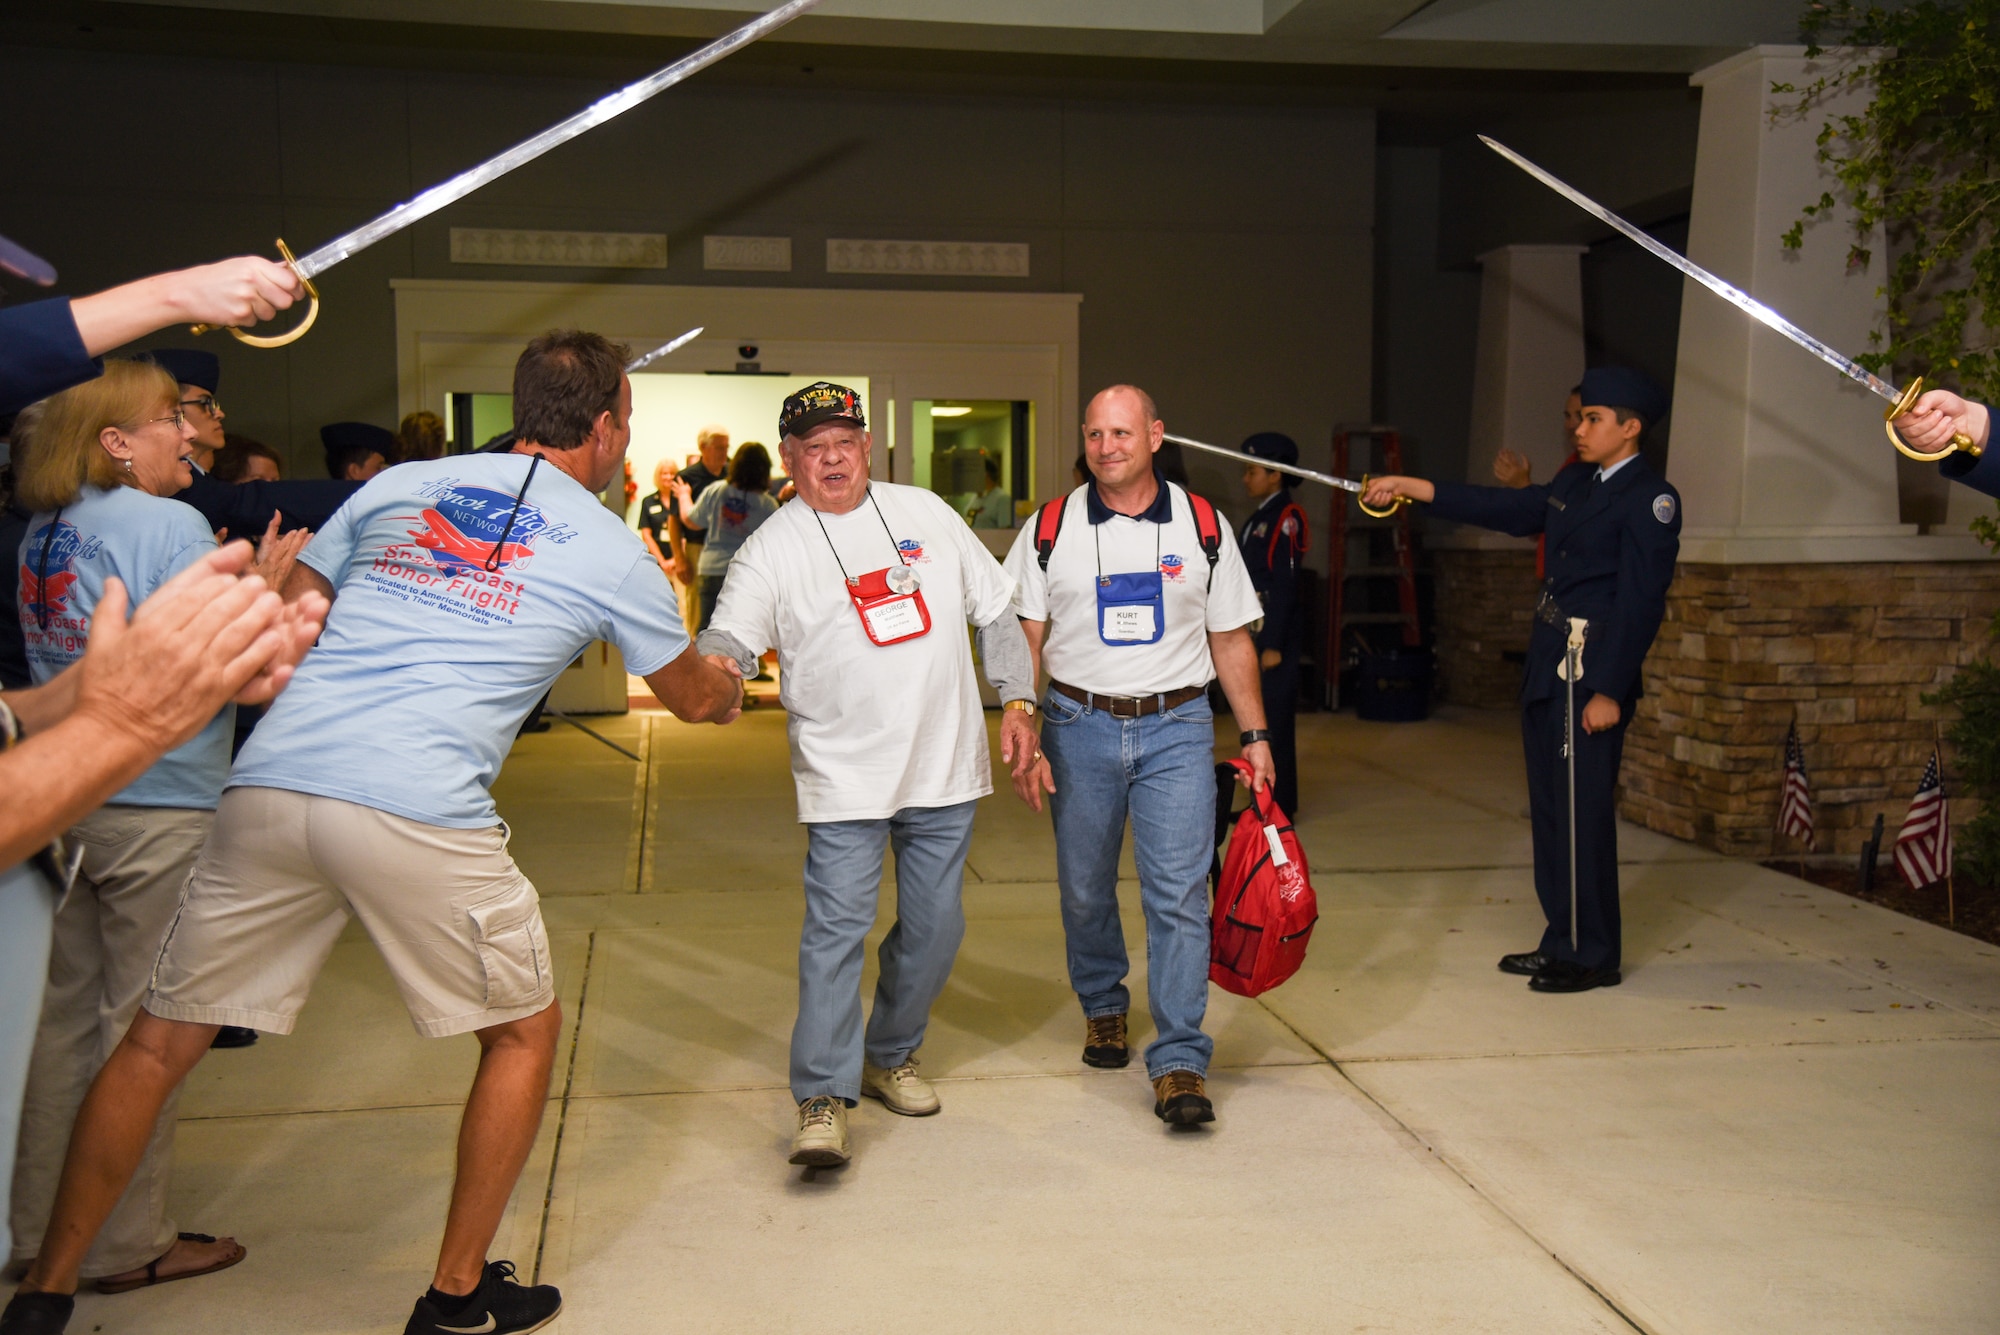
pixel 890 604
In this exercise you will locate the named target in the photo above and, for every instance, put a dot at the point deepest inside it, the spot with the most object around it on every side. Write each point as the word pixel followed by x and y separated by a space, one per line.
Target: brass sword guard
pixel 1370 510
pixel 1959 440
pixel 290 336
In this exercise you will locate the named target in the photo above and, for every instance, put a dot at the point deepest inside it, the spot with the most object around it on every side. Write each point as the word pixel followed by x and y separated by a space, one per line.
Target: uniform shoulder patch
pixel 1663 508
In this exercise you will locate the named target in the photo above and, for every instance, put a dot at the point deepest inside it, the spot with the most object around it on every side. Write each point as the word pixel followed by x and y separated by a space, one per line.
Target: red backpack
pixel 1208 529
pixel 1264 902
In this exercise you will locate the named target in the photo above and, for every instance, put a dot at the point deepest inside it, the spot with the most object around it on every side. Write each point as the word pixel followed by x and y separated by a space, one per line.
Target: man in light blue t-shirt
pixel 461 588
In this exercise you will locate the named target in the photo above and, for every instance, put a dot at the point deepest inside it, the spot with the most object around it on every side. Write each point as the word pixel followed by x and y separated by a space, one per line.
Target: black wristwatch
pixel 1254 735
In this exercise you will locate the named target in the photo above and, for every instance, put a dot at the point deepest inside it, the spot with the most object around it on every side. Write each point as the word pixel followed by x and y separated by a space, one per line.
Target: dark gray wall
pixel 1223 251
pixel 1426 317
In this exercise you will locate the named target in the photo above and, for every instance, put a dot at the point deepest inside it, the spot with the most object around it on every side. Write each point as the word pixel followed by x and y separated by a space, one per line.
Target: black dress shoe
pixel 1527 964
pixel 37 1314
pixel 1567 976
pixel 233 1036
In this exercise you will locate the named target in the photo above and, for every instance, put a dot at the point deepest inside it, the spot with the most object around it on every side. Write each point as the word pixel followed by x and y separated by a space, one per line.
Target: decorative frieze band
pixel 957 259
pixel 570 250
pixel 766 254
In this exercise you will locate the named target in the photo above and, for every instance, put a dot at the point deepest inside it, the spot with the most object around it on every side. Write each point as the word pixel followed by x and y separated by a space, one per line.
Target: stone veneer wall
pixel 1484 608
pixel 1846 650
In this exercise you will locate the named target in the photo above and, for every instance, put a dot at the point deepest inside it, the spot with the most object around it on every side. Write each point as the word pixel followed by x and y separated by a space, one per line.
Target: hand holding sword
pixel 1939 418
pixel 1361 489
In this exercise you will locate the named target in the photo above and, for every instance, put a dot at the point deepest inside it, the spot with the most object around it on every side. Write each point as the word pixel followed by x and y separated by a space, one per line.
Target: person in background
pixel 654 513
pixel 242 459
pixel 725 516
pixel 1274 540
pixel 199 372
pixel 1935 417
pixel 994 507
pixel 14 518
pixel 101 458
pixel 356 451
pixel 419 436
pixel 710 468
pixel 1079 472
pixel 1614 536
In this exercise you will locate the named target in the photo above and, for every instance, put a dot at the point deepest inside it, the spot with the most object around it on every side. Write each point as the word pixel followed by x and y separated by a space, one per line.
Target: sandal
pixel 153 1275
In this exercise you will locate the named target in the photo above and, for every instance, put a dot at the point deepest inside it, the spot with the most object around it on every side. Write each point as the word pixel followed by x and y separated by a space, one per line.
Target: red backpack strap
pixel 1048 523
pixel 1209 529
pixel 1296 513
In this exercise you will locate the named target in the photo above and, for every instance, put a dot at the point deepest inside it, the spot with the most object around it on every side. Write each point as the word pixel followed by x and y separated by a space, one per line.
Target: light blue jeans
pixel 843 871
pixel 1159 770
pixel 27 923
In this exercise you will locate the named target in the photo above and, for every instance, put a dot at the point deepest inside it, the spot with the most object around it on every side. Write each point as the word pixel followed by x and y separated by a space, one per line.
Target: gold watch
pixel 1025 706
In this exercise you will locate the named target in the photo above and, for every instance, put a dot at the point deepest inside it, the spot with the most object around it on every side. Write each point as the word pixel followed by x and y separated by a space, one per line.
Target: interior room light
pixel 948 412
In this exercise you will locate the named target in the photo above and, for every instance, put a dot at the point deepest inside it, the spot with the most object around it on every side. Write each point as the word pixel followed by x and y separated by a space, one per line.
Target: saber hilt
pixel 1908 400
pixel 290 336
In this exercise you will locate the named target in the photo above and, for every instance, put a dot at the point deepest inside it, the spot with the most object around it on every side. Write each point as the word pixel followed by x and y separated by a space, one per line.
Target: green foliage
pixel 1922 162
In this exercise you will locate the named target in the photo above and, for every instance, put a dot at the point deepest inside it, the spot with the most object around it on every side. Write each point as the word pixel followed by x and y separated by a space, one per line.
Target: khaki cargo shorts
pixel 457 923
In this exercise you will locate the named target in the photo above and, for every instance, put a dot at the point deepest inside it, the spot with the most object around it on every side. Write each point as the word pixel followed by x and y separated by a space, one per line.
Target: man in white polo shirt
pixel 1134 597
pixel 461 588
pixel 864 589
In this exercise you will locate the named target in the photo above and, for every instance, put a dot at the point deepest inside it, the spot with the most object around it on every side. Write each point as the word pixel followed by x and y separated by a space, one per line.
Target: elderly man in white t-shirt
pixel 1141 603
pixel 863 588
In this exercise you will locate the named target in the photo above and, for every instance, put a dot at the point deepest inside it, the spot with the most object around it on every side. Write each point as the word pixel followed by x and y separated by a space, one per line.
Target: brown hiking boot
pixel 1104 1041
pixel 1181 1099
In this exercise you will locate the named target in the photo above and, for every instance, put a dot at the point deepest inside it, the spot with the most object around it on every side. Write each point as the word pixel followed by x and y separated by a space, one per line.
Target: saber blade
pixel 592 116
pixel 1735 296
pixel 671 345
pixel 1345 484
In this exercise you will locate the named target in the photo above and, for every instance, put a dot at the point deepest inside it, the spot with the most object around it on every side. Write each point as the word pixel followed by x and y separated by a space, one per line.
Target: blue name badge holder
pixel 1131 608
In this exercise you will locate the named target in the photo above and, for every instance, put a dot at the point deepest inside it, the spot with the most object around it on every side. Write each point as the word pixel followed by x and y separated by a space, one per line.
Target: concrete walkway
pixel 1784 1120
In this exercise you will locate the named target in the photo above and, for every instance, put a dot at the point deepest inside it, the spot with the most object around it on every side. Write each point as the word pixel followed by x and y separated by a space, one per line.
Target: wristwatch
pixel 1254 735
pixel 1025 706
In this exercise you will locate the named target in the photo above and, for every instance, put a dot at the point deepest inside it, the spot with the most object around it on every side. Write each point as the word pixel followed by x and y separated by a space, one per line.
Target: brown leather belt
pixel 1129 706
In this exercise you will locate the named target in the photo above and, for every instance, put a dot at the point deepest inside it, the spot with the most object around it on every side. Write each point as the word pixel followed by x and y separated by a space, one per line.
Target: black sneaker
pixel 500 1307
pixel 36 1314
pixel 234 1036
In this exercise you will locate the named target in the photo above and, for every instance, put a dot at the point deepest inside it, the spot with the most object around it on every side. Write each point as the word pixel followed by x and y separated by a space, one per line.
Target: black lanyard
pixel 1096 530
pixel 492 562
pixel 893 544
pixel 48 537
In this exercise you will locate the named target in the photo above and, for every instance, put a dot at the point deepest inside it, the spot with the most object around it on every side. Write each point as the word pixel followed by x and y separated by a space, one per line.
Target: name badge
pixel 890 605
pixel 1131 608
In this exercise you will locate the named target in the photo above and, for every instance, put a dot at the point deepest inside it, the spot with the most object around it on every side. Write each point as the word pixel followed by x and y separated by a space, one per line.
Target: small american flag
pixel 1795 813
pixel 1923 849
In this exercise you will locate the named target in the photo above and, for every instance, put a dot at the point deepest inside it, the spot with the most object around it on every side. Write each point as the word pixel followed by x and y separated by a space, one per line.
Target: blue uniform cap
pixel 190 366
pixel 364 437
pixel 1623 387
pixel 1276 446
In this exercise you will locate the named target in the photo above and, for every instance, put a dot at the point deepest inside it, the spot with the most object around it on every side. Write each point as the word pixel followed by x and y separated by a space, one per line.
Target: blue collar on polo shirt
pixel 1161 511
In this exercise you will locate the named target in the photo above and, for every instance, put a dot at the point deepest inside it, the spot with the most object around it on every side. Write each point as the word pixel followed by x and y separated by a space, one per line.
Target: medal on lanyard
pixel 890 601
pixel 1131 607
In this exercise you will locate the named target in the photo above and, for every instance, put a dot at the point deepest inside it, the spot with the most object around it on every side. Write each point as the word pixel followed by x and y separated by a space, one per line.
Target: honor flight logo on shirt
pixel 912 550
pixel 47 582
pixel 463 556
pixel 1172 568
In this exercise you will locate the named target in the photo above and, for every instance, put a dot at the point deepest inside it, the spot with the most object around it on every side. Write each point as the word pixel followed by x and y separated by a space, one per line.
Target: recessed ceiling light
pixel 937 411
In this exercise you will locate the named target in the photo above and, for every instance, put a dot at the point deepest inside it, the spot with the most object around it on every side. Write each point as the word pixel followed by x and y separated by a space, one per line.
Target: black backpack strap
pixel 1208 527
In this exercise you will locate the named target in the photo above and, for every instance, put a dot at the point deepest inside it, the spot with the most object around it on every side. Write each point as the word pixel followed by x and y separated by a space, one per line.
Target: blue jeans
pixel 27 924
pixel 843 871
pixel 1161 770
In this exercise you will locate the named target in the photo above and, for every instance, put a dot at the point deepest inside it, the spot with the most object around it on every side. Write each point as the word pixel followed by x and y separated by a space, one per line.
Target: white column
pixel 1777 456
pixel 1529 357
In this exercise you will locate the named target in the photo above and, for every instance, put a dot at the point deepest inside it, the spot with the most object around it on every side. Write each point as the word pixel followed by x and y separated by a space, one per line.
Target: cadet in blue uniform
pixel 1613 529
pixel 1273 540
pixel 1935 417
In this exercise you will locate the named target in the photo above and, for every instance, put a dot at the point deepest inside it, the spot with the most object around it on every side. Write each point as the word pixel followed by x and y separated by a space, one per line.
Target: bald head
pixel 1121 433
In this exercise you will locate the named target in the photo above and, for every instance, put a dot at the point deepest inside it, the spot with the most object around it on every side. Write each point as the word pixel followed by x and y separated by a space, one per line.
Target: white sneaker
pixel 900 1088
pixel 821 1140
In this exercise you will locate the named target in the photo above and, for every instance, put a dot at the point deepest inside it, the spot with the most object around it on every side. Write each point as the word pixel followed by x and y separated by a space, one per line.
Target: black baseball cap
pixel 820 402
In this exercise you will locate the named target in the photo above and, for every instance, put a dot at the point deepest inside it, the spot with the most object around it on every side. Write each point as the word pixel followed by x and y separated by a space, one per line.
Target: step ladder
pixel 1391 555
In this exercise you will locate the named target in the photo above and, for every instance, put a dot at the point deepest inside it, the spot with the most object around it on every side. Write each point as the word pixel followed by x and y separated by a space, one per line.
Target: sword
pixel 1343 483
pixel 1899 399
pixel 671 345
pixel 458 187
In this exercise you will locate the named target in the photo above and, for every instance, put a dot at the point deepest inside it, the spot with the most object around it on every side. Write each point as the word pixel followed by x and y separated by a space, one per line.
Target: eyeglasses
pixel 178 418
pixel 206 403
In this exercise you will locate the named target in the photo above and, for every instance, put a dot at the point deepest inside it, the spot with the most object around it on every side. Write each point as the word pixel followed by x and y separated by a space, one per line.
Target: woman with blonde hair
pixel 420 435
pixel 98 466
